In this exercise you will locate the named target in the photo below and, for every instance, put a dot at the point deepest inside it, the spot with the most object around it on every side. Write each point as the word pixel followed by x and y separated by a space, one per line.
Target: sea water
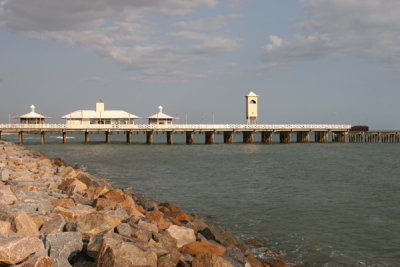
pixel 319 204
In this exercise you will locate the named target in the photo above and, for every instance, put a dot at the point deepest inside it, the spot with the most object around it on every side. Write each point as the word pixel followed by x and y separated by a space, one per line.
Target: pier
pixel 288 133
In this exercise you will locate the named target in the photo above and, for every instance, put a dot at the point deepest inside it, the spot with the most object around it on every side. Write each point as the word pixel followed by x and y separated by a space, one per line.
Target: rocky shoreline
pixel 54 215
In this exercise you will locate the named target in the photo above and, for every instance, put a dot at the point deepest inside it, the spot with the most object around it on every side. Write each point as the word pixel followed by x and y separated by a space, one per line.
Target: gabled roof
pixel 33 115
pixel 107 114
pixel 160 115
pixel 252 94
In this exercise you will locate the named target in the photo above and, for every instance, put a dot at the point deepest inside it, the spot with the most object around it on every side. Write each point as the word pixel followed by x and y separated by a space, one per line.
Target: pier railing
pixel 181 127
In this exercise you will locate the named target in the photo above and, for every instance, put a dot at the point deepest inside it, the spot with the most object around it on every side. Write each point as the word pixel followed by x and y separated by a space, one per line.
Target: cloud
pixel 369 29
pixel 206 24
pixel 122 30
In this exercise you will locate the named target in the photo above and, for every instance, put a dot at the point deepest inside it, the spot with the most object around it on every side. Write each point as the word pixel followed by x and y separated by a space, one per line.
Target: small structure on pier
pixel 251 107
pixel 32 117
pixel 99 116
pixel 160 117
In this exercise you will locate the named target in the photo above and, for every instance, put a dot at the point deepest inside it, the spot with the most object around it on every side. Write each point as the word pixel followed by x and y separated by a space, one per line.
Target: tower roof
pixel 33 115
pixel 252 94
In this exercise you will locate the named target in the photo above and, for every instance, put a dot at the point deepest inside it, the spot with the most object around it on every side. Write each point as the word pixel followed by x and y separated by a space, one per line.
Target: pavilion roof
pixel 107 114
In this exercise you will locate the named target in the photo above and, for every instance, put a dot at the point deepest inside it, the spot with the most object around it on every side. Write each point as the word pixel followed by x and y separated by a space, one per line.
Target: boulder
pixel 171 207
pixel 22 223
pixel 104 204
pixel 94 192
pixel 169 260
pixel 158 217
pixel 166 240
pixel 63 247
pixel 182 235
pixel 5 227
pixel 7 197
pixel 196 248
pixel 94 223
pixel 124 229
pixel 207 259
pixel 4 175
pixel 65 202
pixel 17 249
pixel 118 196
pixel 69 183
pixel 69 214
pixel 95 244
pixel 148 224
pixel 179 216
pixel 54 225
pixel 140 233
pixel 117 253
pixel 36 260
pixel 236 254
pixel 147 204
pixel 68 172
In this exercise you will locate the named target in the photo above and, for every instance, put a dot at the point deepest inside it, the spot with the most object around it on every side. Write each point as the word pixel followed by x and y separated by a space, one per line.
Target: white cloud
pixel 366 28
pixel 206 24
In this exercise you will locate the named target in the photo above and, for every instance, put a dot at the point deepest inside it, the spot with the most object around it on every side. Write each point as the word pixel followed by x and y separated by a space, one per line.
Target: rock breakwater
pixel 54 215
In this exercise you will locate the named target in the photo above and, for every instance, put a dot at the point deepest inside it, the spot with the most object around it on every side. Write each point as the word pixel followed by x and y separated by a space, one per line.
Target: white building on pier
pixel 99 116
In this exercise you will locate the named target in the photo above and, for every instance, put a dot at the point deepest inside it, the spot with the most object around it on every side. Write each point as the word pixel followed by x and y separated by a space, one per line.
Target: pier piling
pixel 303 137
pixel 266 137
pixel 107 137
pixel 284 137
pixel 86 137
pixel 20 138
pixel 228 137
pixel 170 140
pixel 321 137
pixel 248 137
pixel 129 137
pixel 149 137
pixel 42 138
pixel 209 138
pixel 0 135
pixel 64 137
pixel 189 137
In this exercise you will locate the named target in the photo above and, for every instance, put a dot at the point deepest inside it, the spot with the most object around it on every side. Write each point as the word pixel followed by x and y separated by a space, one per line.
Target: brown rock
pixel 54 225
pixel 179 216
pixel 169 260
pixel 5 227
pixel 16 249
pixel 94 223
pixel 7 197
pixel 68 172
pixel 117 253
pixel 79 186
pixel 64 202
pixel 196 248
pixel 253 242
pixel 38 220
pixel 30 188
pixel 253 260
pixel 171 207
pixel 36 261
pixel 158 217
pixel 207 259
pixel 275 263
pixel 166 240
pixel 95 191
pixel 104 204
pixel 182 235
pixel 22 224
pixel 118 196
pixel 70 215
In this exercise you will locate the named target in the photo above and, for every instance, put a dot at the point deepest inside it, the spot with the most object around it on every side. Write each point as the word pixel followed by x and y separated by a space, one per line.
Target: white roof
pixel 33 115
pixel 252 94
pixel 107 114
pixel 160 115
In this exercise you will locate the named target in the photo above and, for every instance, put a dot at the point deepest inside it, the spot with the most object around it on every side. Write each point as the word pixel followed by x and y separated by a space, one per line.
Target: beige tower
pixel 100 106
pixel 251 107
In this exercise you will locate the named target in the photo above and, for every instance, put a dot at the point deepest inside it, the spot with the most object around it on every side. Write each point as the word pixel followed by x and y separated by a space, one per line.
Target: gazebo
pixel 160 117
pixel 32 117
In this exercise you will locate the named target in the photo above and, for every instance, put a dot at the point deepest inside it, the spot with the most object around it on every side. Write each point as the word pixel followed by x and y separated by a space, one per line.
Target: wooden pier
pixel 323 133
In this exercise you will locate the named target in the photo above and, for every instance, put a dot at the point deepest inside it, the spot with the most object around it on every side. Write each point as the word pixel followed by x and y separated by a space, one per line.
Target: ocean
pixel 317 204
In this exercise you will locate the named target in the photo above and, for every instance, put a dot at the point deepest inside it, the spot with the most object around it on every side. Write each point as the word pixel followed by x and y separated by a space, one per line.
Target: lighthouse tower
pixel 251 107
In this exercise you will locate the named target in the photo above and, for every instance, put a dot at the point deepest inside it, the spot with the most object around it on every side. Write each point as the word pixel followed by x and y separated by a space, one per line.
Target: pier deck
pixel 337 132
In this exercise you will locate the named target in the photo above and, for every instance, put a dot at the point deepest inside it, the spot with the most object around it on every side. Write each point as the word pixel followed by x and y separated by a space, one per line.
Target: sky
pixel 310 61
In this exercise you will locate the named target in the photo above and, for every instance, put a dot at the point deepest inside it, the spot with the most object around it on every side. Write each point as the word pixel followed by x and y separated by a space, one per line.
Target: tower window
pixel 252 102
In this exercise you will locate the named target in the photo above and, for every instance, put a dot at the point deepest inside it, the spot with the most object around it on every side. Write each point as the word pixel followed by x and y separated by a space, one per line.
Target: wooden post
pixel 321 137
pixel 284 137
pixel 248 137
pixel 64 137
pixel 42 138
pixel 149 137
pixel 86 137
pixel 266 137
pixel 20 137
pixel 303 137
pixel 0 135
pixel 228 137
pixel 189 138
pixel 129 137
pixel 169 138
pixel 107 137
pixel 209 138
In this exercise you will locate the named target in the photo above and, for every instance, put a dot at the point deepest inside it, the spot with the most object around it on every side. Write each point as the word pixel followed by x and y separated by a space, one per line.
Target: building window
pixel 252 102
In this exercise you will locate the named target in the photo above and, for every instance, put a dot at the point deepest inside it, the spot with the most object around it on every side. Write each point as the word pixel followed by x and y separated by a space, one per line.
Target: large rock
pixel 54 225
pixel 169 260
pixel 94 223
pixel 36 260
pixel 79 186
pixel 7 197
pixel 63 247
pixel 70 215
pixel 195 248
pixel 207 259
pixel 94 192
pixel 158 217
pixel 5 227
pixel 16 249
pixel 182 235
pixel 68 172
pixel 117 253
pixel 166 240
pixel 4 175
pixel 64 202
pixel 148 224
pixel 118 196
pixel 22 224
